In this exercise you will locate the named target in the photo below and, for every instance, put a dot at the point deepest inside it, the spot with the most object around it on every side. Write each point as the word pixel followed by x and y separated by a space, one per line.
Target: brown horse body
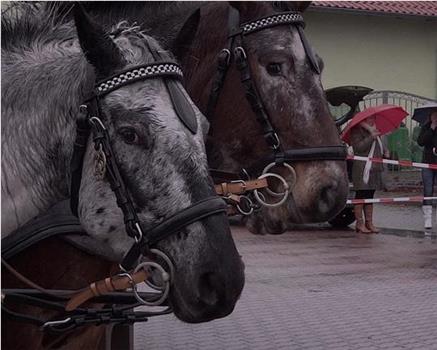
pixel 63 267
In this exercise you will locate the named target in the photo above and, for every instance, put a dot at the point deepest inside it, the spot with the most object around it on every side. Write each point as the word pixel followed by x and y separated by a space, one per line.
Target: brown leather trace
pixel 240 187
pixel 110 284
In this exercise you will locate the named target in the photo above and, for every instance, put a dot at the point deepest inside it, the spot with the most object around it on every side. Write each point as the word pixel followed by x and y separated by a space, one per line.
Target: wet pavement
pixel 322 289
pixel 401 216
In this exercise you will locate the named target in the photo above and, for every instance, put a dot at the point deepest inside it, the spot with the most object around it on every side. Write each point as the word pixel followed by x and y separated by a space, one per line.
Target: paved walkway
pixel 320 290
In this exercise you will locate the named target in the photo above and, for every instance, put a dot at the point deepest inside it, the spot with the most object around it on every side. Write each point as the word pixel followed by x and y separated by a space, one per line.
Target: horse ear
pixel 300 6
pixel 98 47
pixel 186 35
pixel 239 5
pixel 248 9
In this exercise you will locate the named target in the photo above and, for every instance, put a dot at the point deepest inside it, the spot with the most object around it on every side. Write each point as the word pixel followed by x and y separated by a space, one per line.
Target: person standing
pixel 428 140
pixel 366 176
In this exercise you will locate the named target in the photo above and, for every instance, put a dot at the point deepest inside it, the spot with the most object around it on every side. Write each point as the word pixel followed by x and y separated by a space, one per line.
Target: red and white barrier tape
pixel 389 200
pixel 394 162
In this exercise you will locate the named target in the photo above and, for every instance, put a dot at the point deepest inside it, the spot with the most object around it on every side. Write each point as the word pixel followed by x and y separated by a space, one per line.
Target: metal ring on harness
pixel 277 204
pixel 96 119
pixel 165 288
pixel 249 204
pixel 169 265
pixel 55 323
pixel 138 237
pixel 290 183
pixel 257 206
pixel 240 51
pixel 276 145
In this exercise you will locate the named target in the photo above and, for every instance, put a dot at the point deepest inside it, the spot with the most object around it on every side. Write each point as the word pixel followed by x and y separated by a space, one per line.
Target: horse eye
pixel 274 68
pixel 129 136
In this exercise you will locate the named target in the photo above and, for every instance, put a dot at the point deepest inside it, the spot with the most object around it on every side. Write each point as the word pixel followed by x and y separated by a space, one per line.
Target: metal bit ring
pixel 169 265
pixel 290 183
pixel 165 289
pixel 285 194
pixel 249 203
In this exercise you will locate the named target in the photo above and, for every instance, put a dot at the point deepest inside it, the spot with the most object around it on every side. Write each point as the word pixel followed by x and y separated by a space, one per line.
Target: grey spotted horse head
pixel 160 158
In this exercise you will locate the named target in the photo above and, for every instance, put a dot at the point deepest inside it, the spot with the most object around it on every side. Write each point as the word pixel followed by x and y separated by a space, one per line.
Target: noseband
pixel 235 52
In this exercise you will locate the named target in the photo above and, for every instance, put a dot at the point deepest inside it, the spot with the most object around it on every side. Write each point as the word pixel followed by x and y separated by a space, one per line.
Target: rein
pixel 235 52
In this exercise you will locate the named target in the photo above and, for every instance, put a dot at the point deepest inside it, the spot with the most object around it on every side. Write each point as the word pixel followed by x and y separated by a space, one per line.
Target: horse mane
pixel 45 77
pixel 23 26
pixel 28 25
pixel 158 10
pixel 163 18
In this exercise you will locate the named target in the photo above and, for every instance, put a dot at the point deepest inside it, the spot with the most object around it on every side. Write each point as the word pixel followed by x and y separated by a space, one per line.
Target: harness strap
pixel 19 317
pixel 101 142
pixel 25 280
pixel 79 149
pixel 110 284
pixel 308 50
pixel 79 317
pixel 333 153
pixel 240 187
pixel 223 62
pixel 254 100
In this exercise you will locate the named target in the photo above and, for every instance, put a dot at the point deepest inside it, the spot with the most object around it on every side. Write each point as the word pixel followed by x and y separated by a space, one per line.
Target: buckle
pixel 240 53
pixel 224 58
pixel 272 139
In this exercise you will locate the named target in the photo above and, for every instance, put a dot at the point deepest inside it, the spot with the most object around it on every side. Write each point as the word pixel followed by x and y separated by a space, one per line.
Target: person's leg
pixel 358 211
pixel 368 213
pixel 434 183
pixel 428 189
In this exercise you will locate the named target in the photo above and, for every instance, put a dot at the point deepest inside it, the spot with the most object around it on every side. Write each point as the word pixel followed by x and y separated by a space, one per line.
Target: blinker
pixel 308 50
pixel 182 106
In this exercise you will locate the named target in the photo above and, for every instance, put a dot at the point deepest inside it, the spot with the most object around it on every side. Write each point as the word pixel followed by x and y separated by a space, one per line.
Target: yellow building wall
pixel 380 52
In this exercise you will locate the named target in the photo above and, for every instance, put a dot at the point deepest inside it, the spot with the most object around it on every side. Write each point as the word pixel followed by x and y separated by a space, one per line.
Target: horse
pixel 48 70
pixel 286 83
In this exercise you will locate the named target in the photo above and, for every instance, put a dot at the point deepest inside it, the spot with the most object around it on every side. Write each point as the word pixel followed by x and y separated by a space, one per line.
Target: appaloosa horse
pixel 289 106
pixel 154 155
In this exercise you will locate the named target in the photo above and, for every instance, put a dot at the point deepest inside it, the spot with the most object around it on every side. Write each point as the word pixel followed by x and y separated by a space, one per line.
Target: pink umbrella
pixel 387 118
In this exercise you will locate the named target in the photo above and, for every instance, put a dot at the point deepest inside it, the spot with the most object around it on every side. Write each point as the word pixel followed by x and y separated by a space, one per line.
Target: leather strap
pixel 124 201
pixel 110 284
pixel 239 187
pixel 79 149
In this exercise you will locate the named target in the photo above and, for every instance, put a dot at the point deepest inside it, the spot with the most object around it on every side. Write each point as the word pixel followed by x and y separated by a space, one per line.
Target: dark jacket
pixel 361 142
pixel 428 139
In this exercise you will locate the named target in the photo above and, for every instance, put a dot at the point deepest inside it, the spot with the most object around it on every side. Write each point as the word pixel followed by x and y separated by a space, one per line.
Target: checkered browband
pixel 154 70
pixel 271 21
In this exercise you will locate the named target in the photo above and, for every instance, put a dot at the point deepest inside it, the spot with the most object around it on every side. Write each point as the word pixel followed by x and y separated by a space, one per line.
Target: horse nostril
pixel 210 288
pixel 327 197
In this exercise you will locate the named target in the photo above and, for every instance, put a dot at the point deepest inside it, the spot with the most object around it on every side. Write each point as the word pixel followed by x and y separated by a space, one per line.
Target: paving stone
pixel 319 290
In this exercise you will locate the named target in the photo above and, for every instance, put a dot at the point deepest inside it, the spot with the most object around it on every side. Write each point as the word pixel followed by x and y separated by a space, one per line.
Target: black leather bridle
pixel 235 52
pixel 91 122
